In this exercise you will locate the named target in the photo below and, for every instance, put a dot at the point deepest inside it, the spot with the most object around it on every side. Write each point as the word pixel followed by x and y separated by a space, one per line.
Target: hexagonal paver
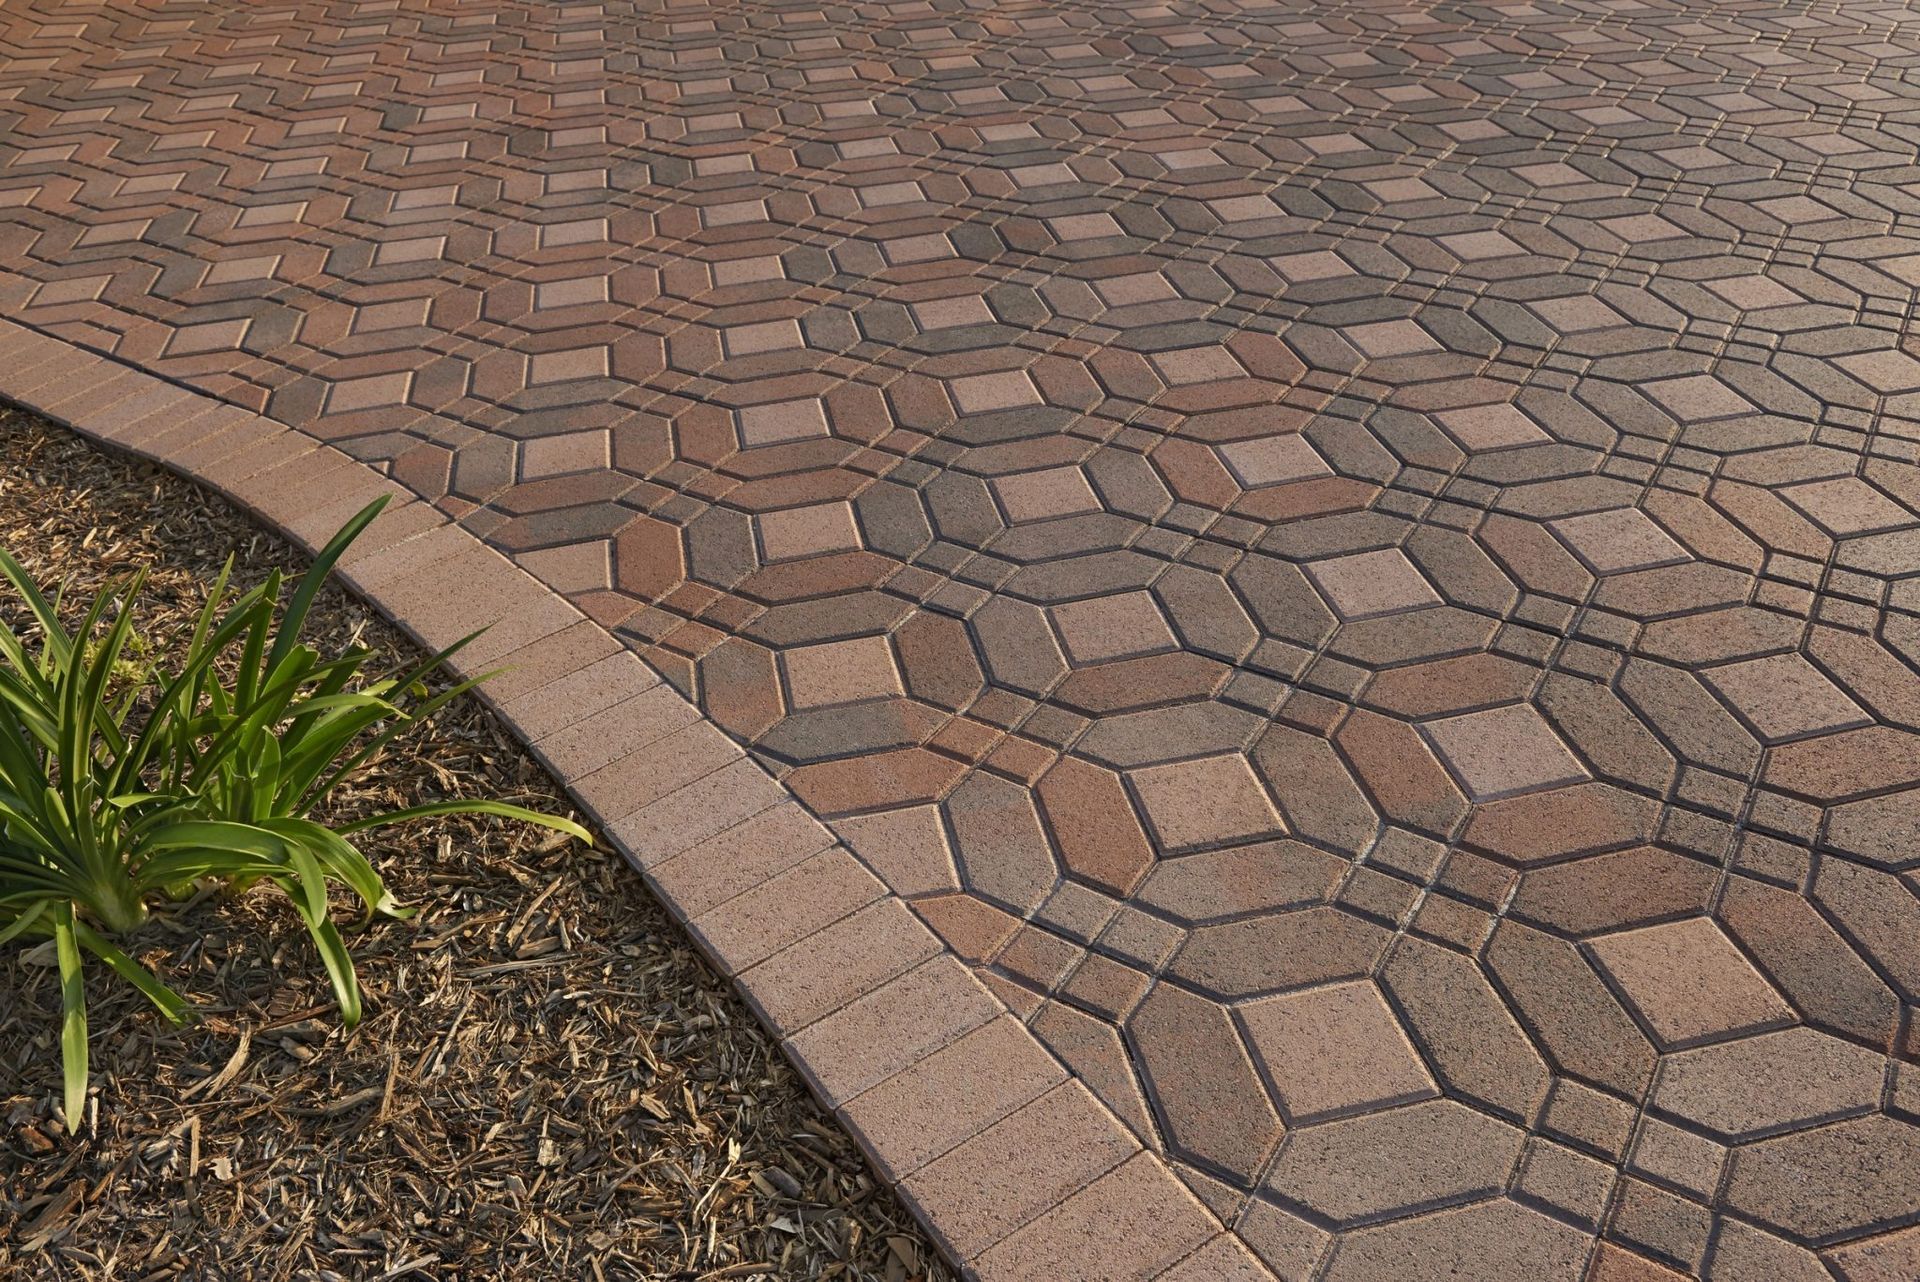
pixel 1749 1087
pixel 1320 586
pixel 1384 1163
pixel 1461 1243
pixel 1833 1180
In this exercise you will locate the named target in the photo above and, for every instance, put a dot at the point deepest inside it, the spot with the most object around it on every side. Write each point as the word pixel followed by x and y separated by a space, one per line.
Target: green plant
pixel 123 780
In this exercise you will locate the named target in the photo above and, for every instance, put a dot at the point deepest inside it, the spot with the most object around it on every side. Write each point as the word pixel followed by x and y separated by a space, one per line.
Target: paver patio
pixel 1342 573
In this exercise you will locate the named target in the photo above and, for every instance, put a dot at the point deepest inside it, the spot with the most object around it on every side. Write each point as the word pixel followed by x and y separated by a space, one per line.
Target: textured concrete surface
pixel 1338 574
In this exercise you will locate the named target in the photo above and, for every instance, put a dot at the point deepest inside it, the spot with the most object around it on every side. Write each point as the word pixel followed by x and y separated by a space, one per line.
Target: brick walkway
pixel 1350 558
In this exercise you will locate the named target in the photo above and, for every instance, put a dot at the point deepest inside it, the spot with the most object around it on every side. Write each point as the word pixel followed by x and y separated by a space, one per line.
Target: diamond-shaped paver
pixel 1334 1050
pixel 1503 751
pixel 1223 512
pixel 1688 981
pixel 1192 804
pixel 1372 583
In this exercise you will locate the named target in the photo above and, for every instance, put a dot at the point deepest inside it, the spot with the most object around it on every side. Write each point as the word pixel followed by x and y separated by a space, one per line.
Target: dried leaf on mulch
pixel 549 1082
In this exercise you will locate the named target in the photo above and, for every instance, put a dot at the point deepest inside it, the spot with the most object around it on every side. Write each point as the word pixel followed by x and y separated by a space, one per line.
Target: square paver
pixel 1698 397
pixel 1618 540
pixel 575 292
pixel 1318 264
pixel 1045 494
pixel 1383 339
pixel 952 313
pixel 1198 365
pixel 1582 314
pixel 985 393
pixel 1503 751
pixel 767 336
pixel 567 452
pixel 1135 287
pixel 376 390
pixel 1365 584
pixel 1085 226
pixel 1754 293
pixel 782 421
pixel 1112 627
pixel 1490 427
pixel 1210 802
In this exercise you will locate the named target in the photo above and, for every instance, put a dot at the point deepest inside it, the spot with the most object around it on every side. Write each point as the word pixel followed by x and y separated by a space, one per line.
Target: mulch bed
pixel 549 1082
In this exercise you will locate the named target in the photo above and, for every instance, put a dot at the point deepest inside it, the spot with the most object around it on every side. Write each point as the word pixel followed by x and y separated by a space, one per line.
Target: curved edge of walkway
pixel 1014 1167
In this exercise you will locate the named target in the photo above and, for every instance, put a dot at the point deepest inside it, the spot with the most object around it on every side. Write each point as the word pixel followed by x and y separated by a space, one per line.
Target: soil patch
pixel 549 1082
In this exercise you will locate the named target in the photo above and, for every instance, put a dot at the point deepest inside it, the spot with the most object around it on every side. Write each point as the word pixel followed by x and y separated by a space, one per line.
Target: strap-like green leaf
pixel 295 618
pixel 342 861
pixel 334 956
pixel 165 1000
pixel 475 806
pixel 73 1022
pixel 24 922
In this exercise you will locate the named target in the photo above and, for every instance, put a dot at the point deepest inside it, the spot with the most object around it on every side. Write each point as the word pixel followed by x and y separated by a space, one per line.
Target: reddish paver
pixel 1346 578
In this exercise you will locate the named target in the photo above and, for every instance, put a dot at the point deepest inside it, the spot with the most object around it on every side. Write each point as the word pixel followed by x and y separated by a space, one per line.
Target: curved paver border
pixel 1017 1170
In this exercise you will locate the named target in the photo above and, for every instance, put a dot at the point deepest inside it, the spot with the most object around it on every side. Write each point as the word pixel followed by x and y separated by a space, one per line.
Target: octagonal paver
pixel 1354 570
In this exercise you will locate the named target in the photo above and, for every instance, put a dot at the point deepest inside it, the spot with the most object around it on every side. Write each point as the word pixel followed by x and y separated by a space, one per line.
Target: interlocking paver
pixel 1334 1050
pixel 1219 515
pixel 1503 751
pixel 1688 981
pixel 1762 1084
pixel 1384 1163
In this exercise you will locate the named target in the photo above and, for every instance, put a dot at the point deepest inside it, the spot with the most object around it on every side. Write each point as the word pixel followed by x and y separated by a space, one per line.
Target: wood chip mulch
pixel 549 1082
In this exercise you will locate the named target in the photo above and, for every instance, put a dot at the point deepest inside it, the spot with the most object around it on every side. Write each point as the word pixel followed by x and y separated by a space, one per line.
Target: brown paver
pixel 1298 562
pixel 1334 1050
pixel 1688 982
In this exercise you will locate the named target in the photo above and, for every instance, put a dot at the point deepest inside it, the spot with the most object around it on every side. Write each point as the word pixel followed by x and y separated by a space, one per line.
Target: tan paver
pixel 1329 571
